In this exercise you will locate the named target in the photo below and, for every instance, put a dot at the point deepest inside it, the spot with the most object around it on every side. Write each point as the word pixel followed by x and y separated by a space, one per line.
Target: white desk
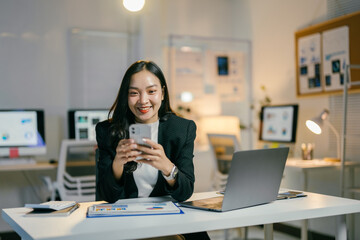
pixel 77 226
pixel 44 166
pixel 28 167
pixel 305 166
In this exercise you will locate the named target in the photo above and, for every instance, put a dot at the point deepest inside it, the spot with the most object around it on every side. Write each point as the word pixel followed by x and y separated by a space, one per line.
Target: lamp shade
pixel 315 124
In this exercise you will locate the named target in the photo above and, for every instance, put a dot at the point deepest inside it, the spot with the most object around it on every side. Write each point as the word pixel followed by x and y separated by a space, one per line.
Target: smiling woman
pixel 127 169
pixel 145 96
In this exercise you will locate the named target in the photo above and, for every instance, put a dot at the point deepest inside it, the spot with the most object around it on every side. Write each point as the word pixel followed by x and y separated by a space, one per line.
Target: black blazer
pixel 176 135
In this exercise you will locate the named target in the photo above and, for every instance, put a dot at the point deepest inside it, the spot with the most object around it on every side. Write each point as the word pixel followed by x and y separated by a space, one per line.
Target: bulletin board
pixel 214 71
pixel 211 76
pixel 322 53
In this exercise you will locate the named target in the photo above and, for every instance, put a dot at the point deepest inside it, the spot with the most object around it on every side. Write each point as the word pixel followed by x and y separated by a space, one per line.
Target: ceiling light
pixel 134 5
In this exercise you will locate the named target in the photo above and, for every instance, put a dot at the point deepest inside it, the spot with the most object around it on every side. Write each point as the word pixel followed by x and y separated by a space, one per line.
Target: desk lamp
pixel 315 125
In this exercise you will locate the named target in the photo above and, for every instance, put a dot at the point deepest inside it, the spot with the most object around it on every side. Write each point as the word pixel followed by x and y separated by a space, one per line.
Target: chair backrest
pixel 222 147
pixel 77 188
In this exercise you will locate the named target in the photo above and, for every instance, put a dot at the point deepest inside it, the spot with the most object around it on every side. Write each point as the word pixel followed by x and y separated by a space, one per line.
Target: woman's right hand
pixel 125 152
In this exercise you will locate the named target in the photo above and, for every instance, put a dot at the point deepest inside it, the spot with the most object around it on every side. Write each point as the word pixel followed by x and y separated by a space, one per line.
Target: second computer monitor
pixel 278 123
pixel 82 122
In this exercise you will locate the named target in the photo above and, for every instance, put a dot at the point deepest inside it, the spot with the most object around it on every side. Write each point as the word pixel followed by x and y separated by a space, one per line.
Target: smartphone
pixel 139 131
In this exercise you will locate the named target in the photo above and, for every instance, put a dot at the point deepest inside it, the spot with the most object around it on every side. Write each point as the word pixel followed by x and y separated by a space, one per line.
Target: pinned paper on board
pixel 335 56
pixel 309 63
pixel 229 76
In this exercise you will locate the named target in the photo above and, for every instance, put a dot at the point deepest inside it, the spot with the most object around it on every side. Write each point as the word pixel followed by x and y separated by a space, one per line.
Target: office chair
pixel 222 147
pixel 67 186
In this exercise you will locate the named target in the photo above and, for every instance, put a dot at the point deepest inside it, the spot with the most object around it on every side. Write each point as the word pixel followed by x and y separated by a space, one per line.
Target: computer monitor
pixel 22 132
pixel 278 123
pixel 82 122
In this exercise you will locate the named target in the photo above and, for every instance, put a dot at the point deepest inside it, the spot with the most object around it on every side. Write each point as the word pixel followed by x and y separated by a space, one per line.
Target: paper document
pixel 133 209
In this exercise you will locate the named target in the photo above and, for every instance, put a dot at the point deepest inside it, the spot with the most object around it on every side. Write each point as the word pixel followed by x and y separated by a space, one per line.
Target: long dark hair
pixel 122 116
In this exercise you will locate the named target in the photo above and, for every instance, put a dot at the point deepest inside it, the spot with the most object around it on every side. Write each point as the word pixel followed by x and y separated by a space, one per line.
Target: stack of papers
pixel 133 209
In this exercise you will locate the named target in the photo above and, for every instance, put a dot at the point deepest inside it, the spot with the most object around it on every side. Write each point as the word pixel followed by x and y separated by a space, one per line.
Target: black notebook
pixel 52 213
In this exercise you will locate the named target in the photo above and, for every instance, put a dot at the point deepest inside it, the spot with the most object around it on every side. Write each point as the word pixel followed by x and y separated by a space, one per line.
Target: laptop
pixel 254 179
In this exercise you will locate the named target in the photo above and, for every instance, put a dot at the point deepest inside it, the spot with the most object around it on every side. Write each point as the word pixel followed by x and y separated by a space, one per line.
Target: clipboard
pixel 133 209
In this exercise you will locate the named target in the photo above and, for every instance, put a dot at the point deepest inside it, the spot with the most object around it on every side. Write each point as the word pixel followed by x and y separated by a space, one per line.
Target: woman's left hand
pixel 155 156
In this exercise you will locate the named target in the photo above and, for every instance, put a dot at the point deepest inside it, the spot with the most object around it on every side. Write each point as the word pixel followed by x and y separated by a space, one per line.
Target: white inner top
pixel 146 175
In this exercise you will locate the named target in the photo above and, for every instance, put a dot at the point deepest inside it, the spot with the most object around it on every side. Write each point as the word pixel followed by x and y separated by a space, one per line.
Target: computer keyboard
pixel 16 161
pixel 54 205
